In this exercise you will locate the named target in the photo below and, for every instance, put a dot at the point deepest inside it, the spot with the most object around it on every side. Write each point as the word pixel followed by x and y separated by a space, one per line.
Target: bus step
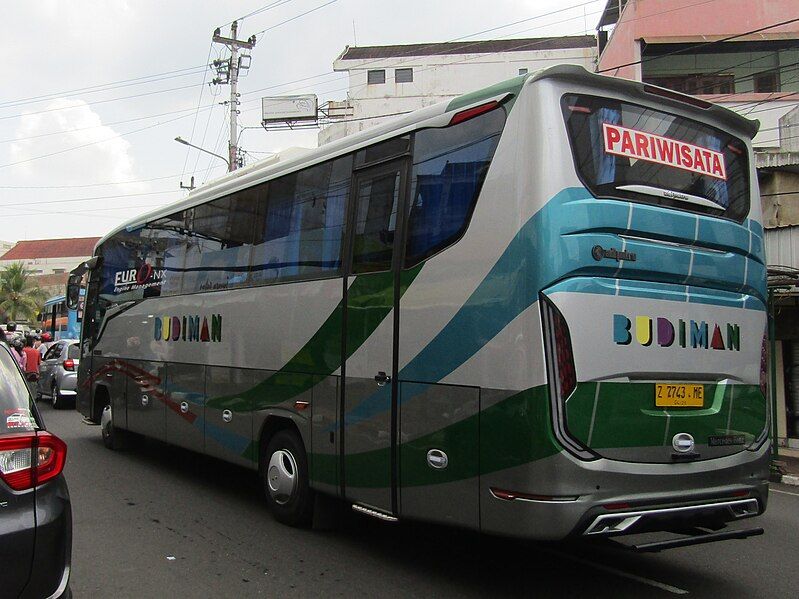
pixel 373 512
pixel 697 539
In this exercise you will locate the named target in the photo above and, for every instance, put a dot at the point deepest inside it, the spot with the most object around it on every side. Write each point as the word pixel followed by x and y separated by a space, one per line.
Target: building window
pixel 767 82
pixel 59 271
pixel 403 75
pixel 522 71
pixel 696 84
pixel 375 77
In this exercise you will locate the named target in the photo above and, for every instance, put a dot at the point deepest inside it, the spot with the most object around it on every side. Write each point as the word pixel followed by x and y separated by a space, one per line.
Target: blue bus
pixel 60 321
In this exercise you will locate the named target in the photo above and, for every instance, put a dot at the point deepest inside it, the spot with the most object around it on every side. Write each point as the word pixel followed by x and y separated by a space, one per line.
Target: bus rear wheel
pixel 284 473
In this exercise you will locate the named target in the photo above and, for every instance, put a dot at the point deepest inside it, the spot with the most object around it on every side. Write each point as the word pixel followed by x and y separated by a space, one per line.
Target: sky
pixel 95 91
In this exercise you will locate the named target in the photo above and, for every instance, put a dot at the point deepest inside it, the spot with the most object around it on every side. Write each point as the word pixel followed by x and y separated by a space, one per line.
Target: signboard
pixel 289 108
pixel 663 150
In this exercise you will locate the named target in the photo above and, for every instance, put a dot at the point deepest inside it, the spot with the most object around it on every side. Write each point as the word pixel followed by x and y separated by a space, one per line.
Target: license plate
pixel 678 395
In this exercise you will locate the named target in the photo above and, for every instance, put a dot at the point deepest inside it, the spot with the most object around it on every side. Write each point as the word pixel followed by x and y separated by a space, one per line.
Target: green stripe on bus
pixel 512 86
pixel 371 298
pixel 509 434
pixel 624 415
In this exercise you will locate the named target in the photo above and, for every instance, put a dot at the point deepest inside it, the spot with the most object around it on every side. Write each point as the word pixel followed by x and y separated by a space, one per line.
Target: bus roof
pixel 55 299
pixel 294 158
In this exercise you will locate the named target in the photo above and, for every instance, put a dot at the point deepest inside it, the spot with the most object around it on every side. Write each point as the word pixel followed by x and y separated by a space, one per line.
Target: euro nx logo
pixel 188 328
pixel 692 333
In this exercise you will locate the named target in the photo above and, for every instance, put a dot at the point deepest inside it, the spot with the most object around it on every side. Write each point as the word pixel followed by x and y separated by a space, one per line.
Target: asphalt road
pixel 156 521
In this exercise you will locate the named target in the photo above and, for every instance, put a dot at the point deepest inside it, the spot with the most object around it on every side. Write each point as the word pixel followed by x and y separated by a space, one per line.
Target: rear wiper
pixel 672 195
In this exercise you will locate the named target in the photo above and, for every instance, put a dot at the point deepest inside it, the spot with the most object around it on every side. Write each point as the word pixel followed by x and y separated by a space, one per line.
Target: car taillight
pixel 764 366
pixel 69 364
pixel 30 459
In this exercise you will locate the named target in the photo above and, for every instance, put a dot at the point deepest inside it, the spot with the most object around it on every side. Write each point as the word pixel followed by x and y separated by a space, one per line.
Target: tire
pixel 284 476
pixel 113 437
pixel 58 400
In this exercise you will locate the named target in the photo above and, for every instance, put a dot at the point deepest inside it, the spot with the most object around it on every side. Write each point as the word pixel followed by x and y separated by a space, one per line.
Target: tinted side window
pixel 449 167
pixel 220 241
pixel 139 263
pixel 391 148
pixel 300 234
pixel 377 203
pixel 53 352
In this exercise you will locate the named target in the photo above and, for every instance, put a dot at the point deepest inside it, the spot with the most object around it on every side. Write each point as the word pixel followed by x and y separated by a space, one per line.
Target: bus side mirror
pixel 73 291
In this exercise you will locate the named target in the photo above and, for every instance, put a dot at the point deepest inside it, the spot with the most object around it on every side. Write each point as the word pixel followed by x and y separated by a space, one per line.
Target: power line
pixel 93 198
pixel 66 131
pixel 257 11
pixel 197 111
pixel 307 12
pixel 95 102
pixel 85 185
pixel 92 143
pixel 782 193
pixel 108 86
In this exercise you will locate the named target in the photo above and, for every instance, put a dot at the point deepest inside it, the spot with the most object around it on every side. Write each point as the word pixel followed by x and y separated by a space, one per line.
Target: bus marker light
pixel 513 495
pixel 473 112
pixel 300 405
pixel 621 505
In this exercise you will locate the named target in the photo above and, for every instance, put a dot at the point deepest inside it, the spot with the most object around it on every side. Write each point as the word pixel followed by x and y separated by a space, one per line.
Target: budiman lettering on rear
pixel 695 334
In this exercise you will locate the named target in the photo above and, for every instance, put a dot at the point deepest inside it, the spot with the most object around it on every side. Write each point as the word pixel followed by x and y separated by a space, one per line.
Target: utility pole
pixel 228 73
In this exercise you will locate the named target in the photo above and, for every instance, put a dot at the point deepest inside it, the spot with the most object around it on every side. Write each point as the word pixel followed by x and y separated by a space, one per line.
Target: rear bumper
pixel 568 498
pixel 68 384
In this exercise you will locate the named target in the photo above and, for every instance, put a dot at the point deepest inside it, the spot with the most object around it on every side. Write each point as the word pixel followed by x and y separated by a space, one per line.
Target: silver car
pixel 58 373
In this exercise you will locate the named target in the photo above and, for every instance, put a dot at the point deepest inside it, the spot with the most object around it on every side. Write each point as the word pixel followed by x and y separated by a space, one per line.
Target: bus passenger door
pixel 368 412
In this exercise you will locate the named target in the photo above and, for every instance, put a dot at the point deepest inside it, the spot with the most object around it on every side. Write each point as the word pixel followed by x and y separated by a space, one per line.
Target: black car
pixel 35 511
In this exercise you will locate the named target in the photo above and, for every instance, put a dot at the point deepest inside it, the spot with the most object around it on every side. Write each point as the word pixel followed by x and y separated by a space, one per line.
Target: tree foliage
pixel 19 295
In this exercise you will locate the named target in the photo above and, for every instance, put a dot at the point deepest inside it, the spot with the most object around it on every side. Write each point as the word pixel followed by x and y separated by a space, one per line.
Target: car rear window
pixel 15 399
pixel 73 351
pixel 626 151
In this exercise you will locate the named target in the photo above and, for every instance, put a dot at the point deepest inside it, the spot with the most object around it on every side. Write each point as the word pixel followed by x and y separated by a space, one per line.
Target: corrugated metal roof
pixel 51 248
pixel 782 246
pixel 477 47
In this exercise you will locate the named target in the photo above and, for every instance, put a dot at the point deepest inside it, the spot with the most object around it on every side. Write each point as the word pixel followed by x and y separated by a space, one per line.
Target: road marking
pixel 622 573
pixel 784 492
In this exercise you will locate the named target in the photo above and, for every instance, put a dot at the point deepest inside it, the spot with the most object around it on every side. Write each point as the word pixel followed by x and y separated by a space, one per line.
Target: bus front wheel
pixel 284 474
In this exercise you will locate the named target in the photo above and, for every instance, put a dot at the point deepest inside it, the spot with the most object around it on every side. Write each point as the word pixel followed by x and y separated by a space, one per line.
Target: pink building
pixel 683 45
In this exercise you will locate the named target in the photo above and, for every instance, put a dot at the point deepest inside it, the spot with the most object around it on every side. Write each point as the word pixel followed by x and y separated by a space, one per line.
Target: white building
pixel 386 80
pixel 50 260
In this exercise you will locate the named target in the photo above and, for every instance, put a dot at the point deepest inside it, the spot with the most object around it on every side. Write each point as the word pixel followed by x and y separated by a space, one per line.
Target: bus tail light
pixel 559 348
pixel 30 459
pixel 561 375
pixel 470 113
pixel 764 366
pixel 69 364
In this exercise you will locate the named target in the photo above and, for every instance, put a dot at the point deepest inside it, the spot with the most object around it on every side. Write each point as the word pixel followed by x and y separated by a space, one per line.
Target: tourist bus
pixel 537 309
pixel 59 320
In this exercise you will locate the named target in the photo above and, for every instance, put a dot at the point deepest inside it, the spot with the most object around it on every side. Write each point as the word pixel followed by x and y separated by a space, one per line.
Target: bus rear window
pixel 630 152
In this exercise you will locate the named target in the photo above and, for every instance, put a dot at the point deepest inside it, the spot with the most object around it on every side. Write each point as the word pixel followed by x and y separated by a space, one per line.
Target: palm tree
pixel 19 296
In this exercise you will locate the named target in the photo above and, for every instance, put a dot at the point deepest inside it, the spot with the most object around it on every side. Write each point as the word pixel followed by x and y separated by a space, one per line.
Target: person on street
pixel 47 341
pixel 16 351
pixel 32 360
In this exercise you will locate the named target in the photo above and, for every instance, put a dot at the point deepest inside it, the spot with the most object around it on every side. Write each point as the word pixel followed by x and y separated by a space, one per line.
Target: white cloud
pixel 78 125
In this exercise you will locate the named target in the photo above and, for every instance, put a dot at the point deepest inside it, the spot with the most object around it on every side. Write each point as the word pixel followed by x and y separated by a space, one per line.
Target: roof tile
pixel 51 248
